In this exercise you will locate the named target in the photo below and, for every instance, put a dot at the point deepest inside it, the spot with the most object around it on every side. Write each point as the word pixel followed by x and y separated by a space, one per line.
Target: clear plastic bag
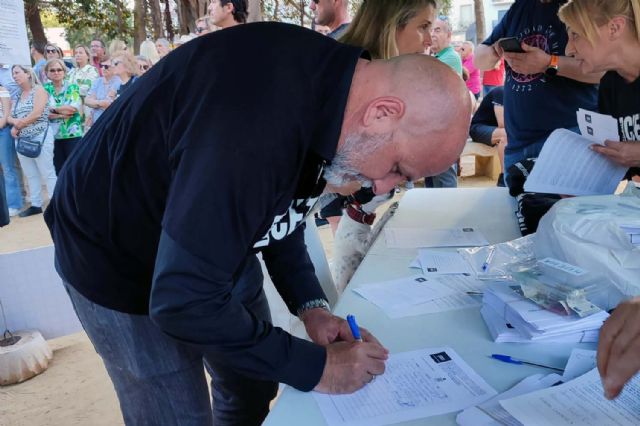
pixel 493 262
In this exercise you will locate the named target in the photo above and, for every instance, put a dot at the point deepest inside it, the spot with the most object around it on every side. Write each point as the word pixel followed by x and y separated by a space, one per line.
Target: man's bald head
pixel 406 118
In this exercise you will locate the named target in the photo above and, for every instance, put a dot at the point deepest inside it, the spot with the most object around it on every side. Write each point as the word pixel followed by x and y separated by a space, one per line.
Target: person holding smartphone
pixel 543 88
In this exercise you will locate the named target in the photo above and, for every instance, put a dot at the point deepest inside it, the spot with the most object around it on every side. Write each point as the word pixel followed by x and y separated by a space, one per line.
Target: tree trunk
pixel 479 10
pixel 32 10
pixel 139 27
pixel 302 13
pixel 167 20
pixel 255 11
pixel 156 18
pixel 120 20
pixel 275 10
pixel 188 13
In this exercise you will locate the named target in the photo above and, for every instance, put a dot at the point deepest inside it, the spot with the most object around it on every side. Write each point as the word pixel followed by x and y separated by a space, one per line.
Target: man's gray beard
pixel 356 147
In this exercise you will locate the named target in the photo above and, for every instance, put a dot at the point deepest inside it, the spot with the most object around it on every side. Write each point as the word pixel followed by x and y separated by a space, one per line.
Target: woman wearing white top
pixel 84 74
pixel 29 117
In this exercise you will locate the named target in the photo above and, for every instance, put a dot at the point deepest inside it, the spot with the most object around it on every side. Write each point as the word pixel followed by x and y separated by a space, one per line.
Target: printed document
pixel 404 292
pixel 437 262
pixel 420 237
pixel 568 166
pixel 580 362
pixel 491 413
pixel 415 385
pixel 459 299
pixel 578 402
pixel 597 127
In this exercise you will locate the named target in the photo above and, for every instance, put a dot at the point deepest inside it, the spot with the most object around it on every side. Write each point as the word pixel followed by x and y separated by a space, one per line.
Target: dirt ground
pixel 75 390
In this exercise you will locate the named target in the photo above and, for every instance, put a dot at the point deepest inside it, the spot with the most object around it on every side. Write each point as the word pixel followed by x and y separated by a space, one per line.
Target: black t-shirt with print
pixel 621 100
pixel 220 147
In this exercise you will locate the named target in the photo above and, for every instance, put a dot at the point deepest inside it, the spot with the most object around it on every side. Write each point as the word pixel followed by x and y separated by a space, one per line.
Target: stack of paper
pixel 420 295
pixel 492 413
pixel 579 402
pixel 511 317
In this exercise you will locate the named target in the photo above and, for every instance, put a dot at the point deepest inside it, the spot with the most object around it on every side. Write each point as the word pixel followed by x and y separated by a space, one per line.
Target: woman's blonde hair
pixel 148 50
pixel 376 23
pixel 128 60
pixel 33 78
pixel 585 16
pixel 116 46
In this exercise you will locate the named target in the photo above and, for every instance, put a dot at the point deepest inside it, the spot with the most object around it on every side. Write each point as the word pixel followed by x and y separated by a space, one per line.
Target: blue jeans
pixel 446 179
pixel 11 173
pixel 161 381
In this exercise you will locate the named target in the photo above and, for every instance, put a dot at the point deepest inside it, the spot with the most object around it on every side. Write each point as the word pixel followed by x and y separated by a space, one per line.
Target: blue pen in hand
pixel 510 360
pixel 355 330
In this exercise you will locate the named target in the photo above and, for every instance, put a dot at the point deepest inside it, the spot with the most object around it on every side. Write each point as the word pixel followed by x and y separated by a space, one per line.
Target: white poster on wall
pixel 14 47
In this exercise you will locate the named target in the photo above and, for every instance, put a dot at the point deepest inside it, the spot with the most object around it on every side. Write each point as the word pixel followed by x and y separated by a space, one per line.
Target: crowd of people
pixel 59 99
pixel 396 116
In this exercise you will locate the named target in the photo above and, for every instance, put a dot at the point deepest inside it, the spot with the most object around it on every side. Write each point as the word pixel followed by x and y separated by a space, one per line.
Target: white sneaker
pixel 13 212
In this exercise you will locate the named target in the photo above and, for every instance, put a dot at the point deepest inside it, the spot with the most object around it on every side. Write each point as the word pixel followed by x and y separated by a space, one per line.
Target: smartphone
pixel 510 44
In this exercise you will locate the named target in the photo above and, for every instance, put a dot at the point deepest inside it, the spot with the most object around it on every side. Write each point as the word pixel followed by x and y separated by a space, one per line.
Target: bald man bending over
pixel 159 215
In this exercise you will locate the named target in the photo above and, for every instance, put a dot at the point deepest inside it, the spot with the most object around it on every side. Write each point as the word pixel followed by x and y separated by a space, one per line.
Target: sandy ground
pixel 75 390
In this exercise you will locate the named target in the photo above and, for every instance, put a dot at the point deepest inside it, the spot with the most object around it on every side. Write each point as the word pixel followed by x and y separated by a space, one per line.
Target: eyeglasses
pixel 143 67
pixel 52 51
pixel 200 30
pixel 116 63
pixel 55 70
pixel 105 66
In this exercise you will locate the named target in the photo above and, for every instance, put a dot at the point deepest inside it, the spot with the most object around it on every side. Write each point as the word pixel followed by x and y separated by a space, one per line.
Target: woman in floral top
pixel 64 112
pixel 83 75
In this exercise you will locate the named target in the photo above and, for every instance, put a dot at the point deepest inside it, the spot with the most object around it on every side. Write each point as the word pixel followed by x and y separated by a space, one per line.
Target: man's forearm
pixel 485 57
pixel 570 68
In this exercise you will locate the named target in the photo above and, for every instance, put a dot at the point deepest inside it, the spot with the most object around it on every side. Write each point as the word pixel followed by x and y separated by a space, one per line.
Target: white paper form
pixel 578 402
pixel 437 262
pixel 567 165
pixel 597 127
pixel 491 413
pixel 580 362
pixel 460 284
pixel 415 385
pixel 404 292
pixel 419 237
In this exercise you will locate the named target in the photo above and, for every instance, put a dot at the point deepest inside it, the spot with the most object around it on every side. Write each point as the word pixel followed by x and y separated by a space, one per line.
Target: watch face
pixel 552 71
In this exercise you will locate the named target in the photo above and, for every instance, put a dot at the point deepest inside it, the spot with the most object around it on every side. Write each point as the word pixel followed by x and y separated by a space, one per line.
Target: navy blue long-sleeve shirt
pixel 214 154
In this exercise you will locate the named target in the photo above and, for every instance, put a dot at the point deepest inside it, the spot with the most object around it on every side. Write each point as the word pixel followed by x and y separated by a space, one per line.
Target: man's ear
pixel 230 7
pixel 383 114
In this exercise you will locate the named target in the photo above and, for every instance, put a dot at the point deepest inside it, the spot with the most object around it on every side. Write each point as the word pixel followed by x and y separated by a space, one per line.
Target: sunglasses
pixel 200 30
pixel 105 66
pixel 55 70
pixel 52 51
pixel 144 67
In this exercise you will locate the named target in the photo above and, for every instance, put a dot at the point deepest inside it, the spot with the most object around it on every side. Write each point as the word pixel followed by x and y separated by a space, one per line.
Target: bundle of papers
pixel 511 317
pixel 438 262
pixel 492 412
pixel 420 295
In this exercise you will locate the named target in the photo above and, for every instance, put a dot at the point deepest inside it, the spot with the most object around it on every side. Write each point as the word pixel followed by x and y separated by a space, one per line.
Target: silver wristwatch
pixel 313 304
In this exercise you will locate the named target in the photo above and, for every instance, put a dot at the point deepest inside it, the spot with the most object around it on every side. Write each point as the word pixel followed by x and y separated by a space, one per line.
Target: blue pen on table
pixel 355 330
pixel 487 262
pixel 510 360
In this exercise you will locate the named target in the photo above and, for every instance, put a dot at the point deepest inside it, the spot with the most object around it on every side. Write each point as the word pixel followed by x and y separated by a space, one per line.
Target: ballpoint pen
pixel 355 330
pixel 510 360
pixel 487 262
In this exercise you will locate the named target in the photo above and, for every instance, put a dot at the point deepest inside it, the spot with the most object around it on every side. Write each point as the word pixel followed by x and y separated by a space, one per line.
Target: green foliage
pixel 49 19
pixel 83 18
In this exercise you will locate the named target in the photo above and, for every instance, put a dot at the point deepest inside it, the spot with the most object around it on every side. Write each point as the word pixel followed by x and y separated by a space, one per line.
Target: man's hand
pixel 325 328
pixel 619 347
pixel 533 61
pixel 624 153
pixel 499 52
pixel 350 366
